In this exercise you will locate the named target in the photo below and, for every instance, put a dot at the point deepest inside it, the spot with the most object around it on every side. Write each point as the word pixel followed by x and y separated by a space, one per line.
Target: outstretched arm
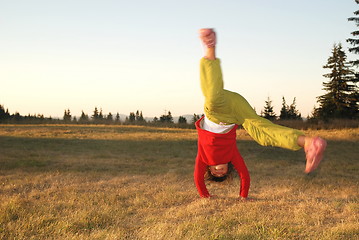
pixel 208 38
pixel 199 172
pixel 243 173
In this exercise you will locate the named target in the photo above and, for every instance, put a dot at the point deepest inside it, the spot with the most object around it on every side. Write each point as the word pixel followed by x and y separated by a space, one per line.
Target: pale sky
pixel 124 56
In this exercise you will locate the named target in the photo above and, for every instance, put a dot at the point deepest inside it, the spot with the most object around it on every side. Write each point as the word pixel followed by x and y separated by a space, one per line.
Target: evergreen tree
pixel 338 102
pixel 84 118
pixel 17 116
pixel 354 96
pixel 268 112
pixel 95 115
pixel 100 115
pixel 132 117
pixel 195 118
pixel 182 120
pixel 2 112
pixel 166 118
pixel 155 120
pixel 293 113
pixel 284 110
pixel 67 115
pixel 4 115
pixel 117 120
pixel 109 117
pixel 139 117
pixel 7 114
pixel 169 117
pixel 354 41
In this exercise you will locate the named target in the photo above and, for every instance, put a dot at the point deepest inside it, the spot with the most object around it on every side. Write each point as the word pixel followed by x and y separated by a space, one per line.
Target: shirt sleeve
pixel 199 172
pixel 243 174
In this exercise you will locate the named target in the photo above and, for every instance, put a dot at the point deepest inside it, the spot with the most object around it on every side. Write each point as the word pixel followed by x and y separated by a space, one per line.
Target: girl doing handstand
pixel 224 111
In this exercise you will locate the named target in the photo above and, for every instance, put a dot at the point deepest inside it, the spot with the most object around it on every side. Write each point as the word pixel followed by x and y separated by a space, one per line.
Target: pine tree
pixel 142 119
pixel 169 117
pixel 95 114
pixel 117 118
pixel 67 115
pixel 4 114
pixel 166 118
pixel 155 120
pixel 354 96
pixel 84 118
pixel 338 101
pixel 139 117
pixel 182 120
pixel 109 117
pixel 293 113
pixel 195 118
pixel 132 117
pixel 354 41
pixel 268 112
pixel 100 115
pixel 284 110
pixel 18 117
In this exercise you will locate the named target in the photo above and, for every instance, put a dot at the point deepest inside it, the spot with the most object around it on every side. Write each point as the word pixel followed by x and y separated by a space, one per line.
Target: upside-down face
pixel 219 170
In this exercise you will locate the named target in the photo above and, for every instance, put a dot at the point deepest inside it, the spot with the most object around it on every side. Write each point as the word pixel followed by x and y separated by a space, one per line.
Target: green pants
pixel 226 107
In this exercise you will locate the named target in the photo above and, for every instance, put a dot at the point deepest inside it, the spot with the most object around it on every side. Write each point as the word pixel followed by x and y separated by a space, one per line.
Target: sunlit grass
pixel 126 182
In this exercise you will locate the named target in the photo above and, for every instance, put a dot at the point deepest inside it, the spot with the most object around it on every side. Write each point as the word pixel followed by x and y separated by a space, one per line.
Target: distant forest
pixel 97 117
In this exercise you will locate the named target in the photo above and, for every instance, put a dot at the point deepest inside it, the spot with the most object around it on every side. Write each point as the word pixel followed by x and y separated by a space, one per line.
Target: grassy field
pixel 128 182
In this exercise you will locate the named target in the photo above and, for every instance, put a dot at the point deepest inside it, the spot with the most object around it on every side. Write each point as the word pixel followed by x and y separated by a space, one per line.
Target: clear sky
pixel 124 56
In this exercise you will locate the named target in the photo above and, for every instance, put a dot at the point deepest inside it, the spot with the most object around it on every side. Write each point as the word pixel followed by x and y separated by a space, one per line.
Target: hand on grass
pixel 213 197
pixel 243 199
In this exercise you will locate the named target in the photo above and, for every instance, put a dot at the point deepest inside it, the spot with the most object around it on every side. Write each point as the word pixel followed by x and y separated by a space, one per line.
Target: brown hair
pixel 228 176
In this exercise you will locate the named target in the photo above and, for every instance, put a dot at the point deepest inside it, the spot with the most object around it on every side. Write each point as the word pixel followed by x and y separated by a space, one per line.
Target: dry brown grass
pixel 125 182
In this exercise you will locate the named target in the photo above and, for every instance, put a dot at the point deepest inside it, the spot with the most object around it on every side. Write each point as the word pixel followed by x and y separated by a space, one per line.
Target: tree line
pixel 340 100
pixel 287 112
pixel 97 117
